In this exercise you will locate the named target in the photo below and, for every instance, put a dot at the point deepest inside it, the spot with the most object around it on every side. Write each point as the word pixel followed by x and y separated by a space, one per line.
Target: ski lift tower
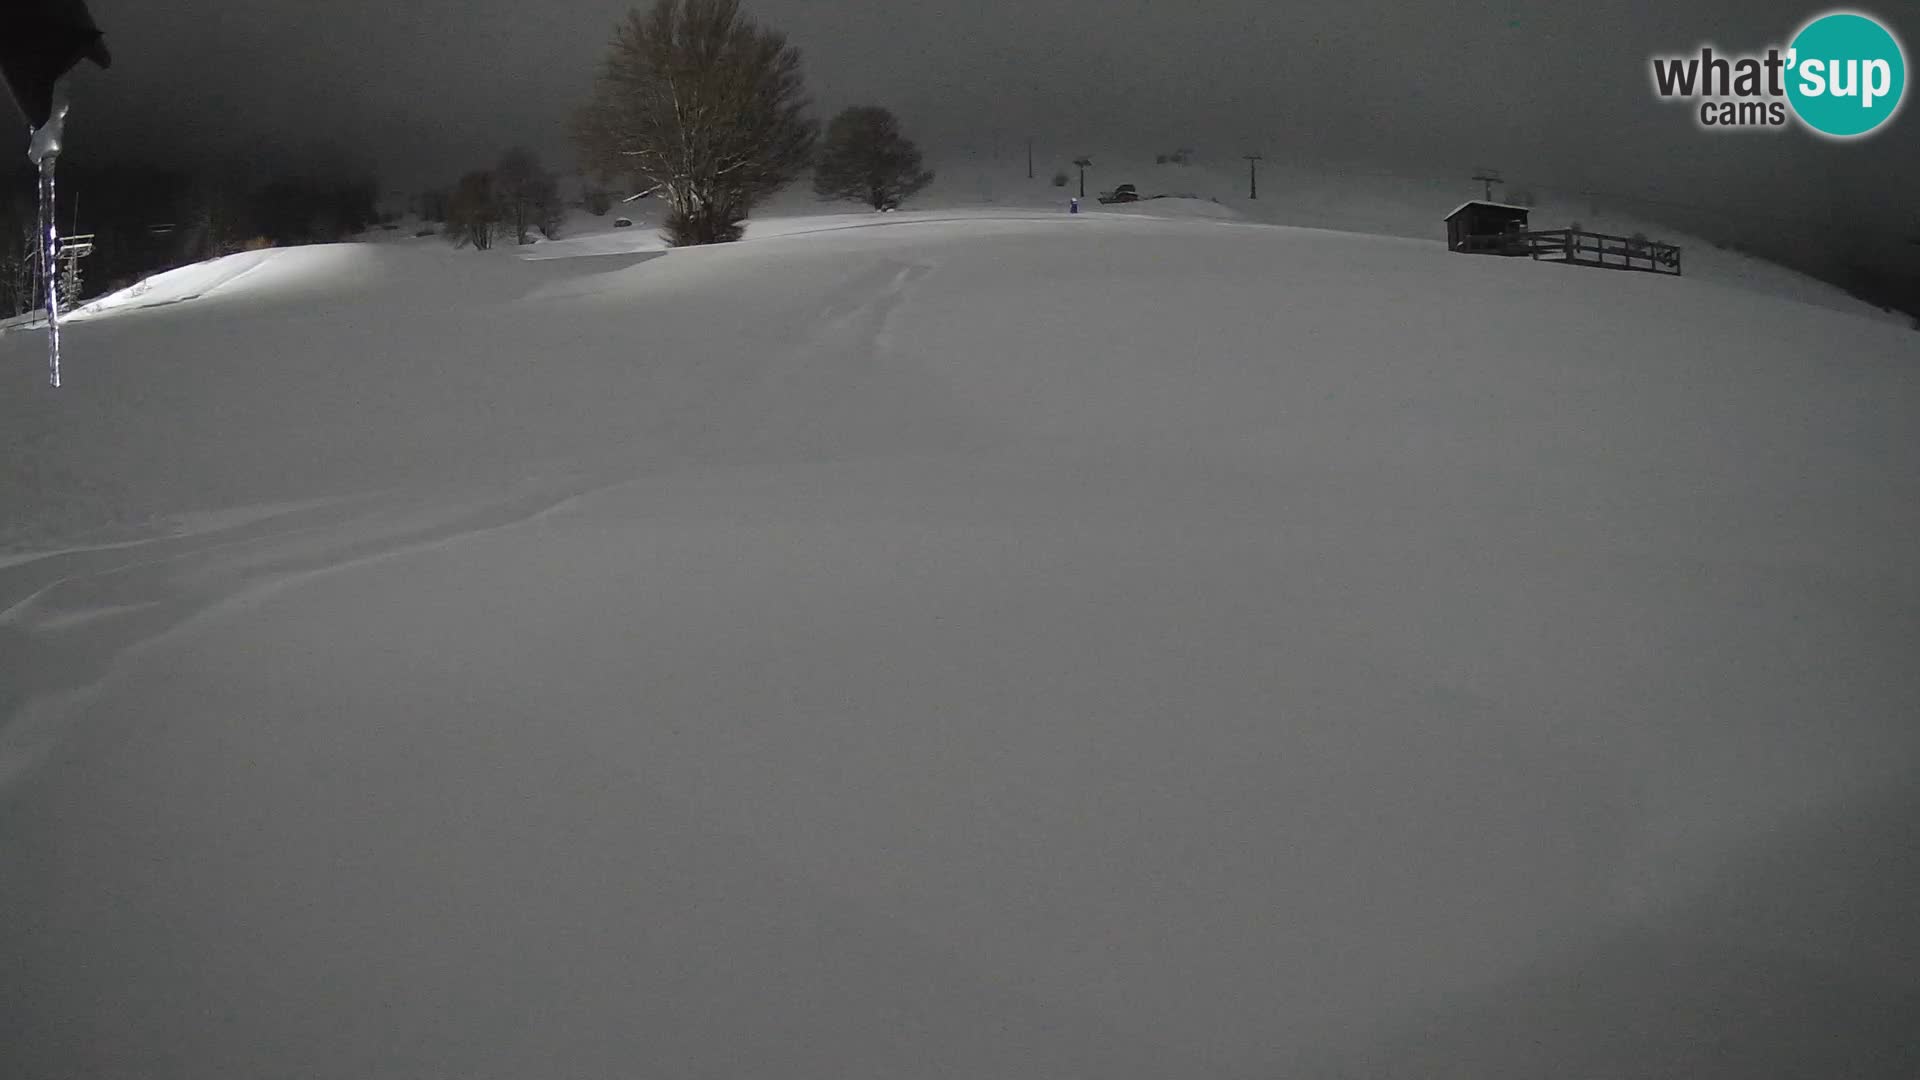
pixel 1489 177
pixel 72 250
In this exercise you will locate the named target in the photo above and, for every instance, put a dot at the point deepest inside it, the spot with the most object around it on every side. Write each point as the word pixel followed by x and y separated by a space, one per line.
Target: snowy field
pixel 978 643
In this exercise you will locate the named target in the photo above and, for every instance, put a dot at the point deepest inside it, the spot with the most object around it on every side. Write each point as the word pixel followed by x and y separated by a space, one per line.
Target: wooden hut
pixel 1488 228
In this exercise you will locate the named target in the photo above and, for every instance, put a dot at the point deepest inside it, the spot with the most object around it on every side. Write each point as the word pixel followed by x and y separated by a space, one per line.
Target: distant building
pixel 1483 227
pixel 1488 228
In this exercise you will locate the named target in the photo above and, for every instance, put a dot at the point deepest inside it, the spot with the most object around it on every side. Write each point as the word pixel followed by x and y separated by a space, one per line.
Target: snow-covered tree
pixel 865 157
pixel 701 103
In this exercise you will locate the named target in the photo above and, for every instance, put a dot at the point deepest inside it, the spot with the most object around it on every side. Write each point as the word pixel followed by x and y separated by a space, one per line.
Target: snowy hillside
pixel 971 642
pixel 1324 197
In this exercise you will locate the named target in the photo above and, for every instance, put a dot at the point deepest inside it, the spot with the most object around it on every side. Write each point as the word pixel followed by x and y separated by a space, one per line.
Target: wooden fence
pixel 1583 248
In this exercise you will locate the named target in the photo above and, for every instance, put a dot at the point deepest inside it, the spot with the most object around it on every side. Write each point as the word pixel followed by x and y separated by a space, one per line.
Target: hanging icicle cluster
pixel 40 41
pixel 45 154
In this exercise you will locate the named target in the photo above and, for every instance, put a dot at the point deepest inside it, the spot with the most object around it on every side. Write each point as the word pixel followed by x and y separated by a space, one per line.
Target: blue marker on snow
pixel 1073 205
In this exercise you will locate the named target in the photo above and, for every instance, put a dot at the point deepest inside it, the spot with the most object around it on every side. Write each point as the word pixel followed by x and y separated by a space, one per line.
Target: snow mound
pixel 280 272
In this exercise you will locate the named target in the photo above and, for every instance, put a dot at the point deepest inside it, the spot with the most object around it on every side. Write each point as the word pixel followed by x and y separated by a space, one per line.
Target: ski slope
pixel 1346 198
pixel 971 642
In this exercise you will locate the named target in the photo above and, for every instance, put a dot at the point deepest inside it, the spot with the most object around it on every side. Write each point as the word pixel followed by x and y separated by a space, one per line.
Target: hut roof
pixel 1483 202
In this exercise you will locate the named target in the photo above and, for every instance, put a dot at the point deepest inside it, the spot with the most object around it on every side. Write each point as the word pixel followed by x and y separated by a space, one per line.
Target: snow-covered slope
pixel 1347 198
pixel 988 643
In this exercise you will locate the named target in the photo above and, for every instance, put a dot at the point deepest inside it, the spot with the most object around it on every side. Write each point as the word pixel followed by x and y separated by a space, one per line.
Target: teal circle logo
pixel 1847 74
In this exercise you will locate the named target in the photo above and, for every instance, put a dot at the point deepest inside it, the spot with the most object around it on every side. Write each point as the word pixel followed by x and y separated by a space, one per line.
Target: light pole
pixel 1084 163
pixel 1253 175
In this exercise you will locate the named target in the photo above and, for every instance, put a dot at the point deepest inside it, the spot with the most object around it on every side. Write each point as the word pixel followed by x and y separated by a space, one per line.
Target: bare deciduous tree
pixel 865 157
pixel 528 194
pixel 699 102
pixel 473 211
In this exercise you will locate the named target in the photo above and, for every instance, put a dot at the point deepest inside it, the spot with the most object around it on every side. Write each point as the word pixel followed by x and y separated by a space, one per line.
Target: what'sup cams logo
pixel 1843 75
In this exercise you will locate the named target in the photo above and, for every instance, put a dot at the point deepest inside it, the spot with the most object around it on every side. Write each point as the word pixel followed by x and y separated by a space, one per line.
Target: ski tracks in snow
pixel 832 395
pixel 67 618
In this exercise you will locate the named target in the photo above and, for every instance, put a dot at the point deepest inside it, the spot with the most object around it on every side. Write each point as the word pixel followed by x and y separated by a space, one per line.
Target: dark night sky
pixel 1554 92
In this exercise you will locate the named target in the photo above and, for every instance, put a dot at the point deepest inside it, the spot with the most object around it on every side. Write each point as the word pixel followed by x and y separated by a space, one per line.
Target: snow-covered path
pixel 989 647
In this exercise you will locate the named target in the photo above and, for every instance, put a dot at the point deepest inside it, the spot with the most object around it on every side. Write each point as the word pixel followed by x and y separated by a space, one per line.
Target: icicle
pixel 50 267
pixel 45 153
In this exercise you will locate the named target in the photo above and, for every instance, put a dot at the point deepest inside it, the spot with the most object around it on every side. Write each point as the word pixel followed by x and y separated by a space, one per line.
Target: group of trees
pixel 515 198
pixel 695 102
pixel 17 256
pixel 704 107
pixel 307 210
pixel 215 214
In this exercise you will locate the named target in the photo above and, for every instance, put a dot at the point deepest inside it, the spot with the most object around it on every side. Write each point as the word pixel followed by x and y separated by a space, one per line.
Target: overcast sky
pixel 1556 92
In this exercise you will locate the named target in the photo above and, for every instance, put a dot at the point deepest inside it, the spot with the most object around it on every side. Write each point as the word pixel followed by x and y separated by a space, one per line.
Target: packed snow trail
pixel 1096 647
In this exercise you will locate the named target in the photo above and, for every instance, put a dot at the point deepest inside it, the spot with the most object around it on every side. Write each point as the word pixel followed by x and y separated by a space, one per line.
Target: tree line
pixel 515 198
